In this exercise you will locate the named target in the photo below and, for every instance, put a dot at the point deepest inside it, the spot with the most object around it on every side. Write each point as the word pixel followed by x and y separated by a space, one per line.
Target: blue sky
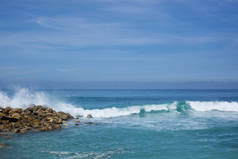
pixel 119 40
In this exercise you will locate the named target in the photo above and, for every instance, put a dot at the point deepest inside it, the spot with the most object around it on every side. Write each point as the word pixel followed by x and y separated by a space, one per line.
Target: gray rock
pixel 89 116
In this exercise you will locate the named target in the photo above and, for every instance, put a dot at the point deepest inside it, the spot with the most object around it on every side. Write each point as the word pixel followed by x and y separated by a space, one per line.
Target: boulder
pixel 64 116
pixel 16 116
pixel 7 109
pixel 34 118
pixel 1 115
pixel 89 116
pixel 24 130
pixel 49 110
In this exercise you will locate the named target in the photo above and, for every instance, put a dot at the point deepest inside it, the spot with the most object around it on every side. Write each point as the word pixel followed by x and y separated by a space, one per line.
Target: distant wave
pixel 23 98
pixel 213 105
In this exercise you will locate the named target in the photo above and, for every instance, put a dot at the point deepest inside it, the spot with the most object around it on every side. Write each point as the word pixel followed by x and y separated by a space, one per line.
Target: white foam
pixel 213 105
pixel 116 112
pixel 24 97
pixel 95 155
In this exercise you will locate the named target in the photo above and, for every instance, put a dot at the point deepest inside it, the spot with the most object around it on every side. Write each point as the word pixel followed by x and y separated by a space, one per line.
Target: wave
pixel 23 98
pixel 97 155
pixel 213 105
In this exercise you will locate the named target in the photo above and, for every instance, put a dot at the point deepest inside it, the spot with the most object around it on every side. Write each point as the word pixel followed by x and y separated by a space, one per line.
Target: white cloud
pixel 79 32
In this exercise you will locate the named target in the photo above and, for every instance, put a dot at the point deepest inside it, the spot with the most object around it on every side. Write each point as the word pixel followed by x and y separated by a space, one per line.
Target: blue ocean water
pixel 130 124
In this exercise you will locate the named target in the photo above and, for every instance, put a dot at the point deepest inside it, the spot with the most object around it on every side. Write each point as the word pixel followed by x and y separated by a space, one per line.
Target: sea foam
pixel 213 105
pixel 23 98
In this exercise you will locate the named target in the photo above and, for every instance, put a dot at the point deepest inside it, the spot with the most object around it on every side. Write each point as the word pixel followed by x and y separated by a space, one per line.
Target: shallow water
pixel 131 124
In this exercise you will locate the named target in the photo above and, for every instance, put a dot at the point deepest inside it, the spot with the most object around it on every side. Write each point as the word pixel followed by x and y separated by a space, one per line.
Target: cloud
pixel 75 23
pixel 79 32
pixel 158 26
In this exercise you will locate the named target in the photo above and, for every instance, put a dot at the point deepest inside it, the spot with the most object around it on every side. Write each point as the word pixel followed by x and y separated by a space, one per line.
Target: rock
pixel 36 124
pixel 7 119
pixel 89 116
pixel 43 129
pixel 16 130
pixel 24 130
pixel 50 119
pixel 16 116
pixel 34 118
pixel 58 126
pixel 77 121
pixel 1 115
pixel 49 110
pixel 90 122
pixel 16 110
pixel 64 116
pixel 7 110
pixel 19 110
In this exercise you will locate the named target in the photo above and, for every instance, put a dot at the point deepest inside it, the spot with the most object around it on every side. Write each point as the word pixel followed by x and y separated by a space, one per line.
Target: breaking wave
pixel 213 105
pixel 23 98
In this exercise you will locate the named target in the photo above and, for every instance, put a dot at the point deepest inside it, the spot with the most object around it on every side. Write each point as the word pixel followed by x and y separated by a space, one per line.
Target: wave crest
pixel 213 105
pixel 24 97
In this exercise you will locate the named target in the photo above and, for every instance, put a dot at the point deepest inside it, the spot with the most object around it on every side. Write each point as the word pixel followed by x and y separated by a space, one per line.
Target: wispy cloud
pixel 124 38
pixel 85 31
pixel 80 32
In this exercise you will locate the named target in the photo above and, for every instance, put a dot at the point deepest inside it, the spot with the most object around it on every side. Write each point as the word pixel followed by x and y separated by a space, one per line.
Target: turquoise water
pixel 130 124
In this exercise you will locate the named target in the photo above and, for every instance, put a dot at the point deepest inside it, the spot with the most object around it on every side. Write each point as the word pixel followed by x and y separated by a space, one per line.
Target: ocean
pixel 129 124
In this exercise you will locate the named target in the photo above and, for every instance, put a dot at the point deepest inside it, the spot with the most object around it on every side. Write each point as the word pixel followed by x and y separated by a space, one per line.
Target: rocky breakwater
pixel 34 118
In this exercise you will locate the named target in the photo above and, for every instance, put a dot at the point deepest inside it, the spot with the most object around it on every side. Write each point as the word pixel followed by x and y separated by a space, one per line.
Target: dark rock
pixel 1 115
pixel 89 116
pixel 90 122
pixel 8 119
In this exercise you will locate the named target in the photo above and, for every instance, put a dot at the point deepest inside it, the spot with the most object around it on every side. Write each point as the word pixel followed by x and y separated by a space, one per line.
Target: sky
pixel 119 40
